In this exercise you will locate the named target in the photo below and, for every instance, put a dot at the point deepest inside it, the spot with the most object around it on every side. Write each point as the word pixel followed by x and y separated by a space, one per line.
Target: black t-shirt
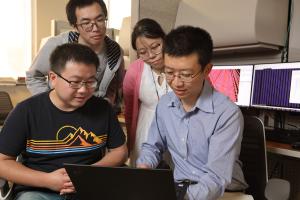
pixel 48 137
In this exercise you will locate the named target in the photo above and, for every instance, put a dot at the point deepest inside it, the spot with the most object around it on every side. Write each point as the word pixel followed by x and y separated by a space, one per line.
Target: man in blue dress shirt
pixel 200 127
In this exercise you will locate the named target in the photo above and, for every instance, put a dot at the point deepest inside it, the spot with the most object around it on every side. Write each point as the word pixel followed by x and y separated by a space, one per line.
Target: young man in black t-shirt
pixel 65 125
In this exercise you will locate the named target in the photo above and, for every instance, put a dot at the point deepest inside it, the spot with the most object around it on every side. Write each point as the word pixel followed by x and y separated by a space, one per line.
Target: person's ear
pixel 75 27
pixel 207 69
pixel 52 77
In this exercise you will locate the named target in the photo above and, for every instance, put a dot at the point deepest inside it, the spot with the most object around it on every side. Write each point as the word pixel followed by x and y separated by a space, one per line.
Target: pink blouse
pixel 131 88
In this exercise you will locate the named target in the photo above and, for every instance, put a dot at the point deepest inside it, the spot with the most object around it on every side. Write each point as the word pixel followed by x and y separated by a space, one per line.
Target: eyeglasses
pixel 155 49
pixel 184 77
pixel 88 26
pixel 92 84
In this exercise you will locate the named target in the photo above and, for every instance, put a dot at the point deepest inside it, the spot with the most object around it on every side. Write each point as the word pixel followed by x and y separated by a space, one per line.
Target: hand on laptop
pixel 59 181
pixel 144 166
pixel 68 185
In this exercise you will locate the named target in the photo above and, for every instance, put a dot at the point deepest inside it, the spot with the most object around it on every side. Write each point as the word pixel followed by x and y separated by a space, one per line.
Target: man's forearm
pixel 115 157
pixel 16 172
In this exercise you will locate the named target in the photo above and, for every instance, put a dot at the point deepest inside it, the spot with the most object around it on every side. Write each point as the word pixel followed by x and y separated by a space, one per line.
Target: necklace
pixel 166 90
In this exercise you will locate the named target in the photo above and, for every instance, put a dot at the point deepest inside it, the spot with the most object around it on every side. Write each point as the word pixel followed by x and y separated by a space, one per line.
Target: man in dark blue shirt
pixel 64 125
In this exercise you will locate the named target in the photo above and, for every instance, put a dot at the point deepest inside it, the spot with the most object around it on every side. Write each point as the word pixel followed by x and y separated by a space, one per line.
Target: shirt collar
pixel 204 102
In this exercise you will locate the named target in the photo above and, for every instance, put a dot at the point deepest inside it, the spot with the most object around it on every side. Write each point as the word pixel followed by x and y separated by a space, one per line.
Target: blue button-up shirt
pixel 204 143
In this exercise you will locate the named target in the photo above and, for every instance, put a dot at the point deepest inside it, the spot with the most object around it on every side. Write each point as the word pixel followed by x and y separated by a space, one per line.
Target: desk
pixel 16 92
pixel 283 162
pixel 282 149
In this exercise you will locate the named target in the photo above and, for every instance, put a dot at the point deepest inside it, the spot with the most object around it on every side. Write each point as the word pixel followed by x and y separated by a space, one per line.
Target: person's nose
pixel 83 88
pixel 177 81
pixel 151 54
pixel 95 27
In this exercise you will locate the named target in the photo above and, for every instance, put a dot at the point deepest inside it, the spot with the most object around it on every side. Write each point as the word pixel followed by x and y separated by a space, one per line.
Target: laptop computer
pixel 121 183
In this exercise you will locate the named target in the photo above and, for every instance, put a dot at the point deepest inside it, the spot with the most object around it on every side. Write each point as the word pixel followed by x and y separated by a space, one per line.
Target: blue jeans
pixel 36 195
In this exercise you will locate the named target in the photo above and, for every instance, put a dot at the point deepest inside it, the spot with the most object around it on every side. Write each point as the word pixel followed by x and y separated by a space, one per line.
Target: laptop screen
pixel 121 183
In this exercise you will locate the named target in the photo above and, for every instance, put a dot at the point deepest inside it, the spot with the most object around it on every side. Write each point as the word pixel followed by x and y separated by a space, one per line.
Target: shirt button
pixel 193 172
pixel 182 139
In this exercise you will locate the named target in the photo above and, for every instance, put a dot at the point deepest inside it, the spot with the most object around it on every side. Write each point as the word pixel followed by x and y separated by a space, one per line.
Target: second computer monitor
pixel 277 86
pixel 234 81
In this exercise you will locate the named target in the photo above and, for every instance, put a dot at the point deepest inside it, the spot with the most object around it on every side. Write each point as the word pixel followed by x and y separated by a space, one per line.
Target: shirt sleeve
pixel 36 76
pixel 224 150
pixel 153 148
pixel 13 133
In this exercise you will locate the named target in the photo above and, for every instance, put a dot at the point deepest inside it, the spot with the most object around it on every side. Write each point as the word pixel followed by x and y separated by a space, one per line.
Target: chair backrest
pixel 253 156
pixel 5 106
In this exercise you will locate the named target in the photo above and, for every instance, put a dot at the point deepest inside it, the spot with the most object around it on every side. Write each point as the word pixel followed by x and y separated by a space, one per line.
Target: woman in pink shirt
pixel 144 83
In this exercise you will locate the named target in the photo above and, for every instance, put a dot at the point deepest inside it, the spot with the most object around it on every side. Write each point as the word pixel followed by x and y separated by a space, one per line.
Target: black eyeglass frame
pixel 90 25
pixel 79 84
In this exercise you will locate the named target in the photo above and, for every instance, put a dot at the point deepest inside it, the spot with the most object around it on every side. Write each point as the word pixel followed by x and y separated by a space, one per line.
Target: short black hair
pixel 186 40
pixel 73 4
pixel 148 28
pixel 72 52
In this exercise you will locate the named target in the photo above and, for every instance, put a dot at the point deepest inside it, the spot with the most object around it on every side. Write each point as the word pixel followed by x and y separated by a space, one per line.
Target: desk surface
pixel 17 92
pixel 282 149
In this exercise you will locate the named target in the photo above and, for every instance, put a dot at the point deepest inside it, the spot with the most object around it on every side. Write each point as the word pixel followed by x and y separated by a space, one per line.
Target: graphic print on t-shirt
pixel 68 139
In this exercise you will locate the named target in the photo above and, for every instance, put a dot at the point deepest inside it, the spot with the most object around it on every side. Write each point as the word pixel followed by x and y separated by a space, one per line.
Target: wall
pixel 165 13
pixel 43 11
pixel 294 50
pixel 162 11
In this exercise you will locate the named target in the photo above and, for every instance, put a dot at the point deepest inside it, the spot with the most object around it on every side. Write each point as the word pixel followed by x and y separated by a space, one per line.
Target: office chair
pixel 5 106
pixel 254 158
pixel 5 189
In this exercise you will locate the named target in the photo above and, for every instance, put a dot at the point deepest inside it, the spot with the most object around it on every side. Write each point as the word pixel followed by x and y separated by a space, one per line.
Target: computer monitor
pixel 234 81
pixel 276 86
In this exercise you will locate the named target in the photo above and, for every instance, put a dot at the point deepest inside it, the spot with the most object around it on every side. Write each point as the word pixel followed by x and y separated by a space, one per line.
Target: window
pixel 117 10
pixel 15 38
